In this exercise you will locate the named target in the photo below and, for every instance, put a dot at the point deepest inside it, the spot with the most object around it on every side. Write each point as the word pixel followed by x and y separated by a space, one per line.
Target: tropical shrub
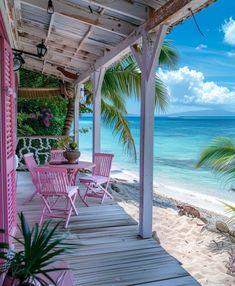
pixel 41 116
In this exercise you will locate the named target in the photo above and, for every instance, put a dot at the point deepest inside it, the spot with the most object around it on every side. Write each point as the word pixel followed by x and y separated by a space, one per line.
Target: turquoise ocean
pixel 177 145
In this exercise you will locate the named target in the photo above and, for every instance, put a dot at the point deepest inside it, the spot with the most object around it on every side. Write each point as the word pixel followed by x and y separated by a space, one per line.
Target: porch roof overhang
pixel 35 93
pixel 81 40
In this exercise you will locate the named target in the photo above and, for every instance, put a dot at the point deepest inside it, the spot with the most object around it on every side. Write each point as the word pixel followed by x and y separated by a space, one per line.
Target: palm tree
pixel 220 157
pixel 122 81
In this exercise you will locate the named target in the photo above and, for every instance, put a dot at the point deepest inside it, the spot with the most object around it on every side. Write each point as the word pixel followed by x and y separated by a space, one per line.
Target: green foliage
pixel 61 143
pixel 35 108
pixel 40 247
pixel 220 157
pixel 24 129
pixel 33 79
pixel 73 145
pixel 230 209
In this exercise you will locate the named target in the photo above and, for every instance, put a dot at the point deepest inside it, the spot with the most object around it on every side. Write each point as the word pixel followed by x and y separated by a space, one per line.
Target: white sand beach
pixel 202 251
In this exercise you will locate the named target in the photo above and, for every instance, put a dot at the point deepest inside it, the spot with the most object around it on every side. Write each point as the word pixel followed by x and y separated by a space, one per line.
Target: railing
pixel 40 146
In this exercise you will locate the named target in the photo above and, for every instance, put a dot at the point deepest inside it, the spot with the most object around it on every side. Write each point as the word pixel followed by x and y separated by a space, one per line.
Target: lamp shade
pixel 50 7
pixel 41 49
pixel 18 61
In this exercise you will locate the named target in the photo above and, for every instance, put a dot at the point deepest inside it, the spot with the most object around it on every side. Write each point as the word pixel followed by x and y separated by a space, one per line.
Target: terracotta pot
pixel 8 281
pixel 72 155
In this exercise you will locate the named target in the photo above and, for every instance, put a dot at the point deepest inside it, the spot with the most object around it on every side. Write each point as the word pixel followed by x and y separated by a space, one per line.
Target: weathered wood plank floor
pixel 110 251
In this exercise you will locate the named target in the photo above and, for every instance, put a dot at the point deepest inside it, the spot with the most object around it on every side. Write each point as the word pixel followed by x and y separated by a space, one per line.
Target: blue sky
pixel 204 78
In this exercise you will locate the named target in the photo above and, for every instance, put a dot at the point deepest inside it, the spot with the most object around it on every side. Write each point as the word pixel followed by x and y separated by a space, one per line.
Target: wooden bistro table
pixel 72 170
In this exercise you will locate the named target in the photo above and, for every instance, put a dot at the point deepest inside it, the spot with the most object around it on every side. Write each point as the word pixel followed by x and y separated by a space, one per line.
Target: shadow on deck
pixel 110 251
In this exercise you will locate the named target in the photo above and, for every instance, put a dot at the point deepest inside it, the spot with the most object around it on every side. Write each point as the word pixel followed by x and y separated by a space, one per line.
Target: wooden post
pixel 147 59
pixel 79 94
pixel 97 79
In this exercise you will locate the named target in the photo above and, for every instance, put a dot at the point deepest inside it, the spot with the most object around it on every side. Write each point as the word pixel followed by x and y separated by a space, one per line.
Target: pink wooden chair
pixel 97 184
pixel 31 164
pixel 54 188
pixel 57 155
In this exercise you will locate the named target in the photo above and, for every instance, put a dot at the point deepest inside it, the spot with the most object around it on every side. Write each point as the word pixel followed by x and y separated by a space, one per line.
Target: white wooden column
pixel 79 94
pixel 147 59
pixel 97 80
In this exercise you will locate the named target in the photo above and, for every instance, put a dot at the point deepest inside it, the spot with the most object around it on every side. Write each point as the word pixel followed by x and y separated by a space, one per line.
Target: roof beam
pixel 82 42
pixel 122 7
pixel 106 23
pixel 47 38
pixel 168 14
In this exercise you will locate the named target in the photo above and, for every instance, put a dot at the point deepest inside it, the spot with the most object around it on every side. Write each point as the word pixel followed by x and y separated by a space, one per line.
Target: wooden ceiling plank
pixel 123 7
pixel 110 24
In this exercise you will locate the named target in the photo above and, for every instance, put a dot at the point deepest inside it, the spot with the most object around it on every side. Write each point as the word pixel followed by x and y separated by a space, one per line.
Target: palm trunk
pixel 69 116
pixel 69 91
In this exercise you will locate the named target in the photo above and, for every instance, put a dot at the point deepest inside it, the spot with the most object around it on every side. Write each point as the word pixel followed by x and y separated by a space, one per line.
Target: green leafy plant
pixel 73 145
pixel 40 247
pixel 62 143
pixel 23 128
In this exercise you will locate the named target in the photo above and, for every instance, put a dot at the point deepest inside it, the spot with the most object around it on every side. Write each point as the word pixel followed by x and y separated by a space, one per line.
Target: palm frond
pixel 169 55
pixel 220 157
pixel 230 209
pixel 161 96
pixel 115 119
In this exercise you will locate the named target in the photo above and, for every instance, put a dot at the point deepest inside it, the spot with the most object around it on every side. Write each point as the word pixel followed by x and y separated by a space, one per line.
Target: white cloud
pixel 188 87
pixel 201 47
pixel 229 31
pixel 231 54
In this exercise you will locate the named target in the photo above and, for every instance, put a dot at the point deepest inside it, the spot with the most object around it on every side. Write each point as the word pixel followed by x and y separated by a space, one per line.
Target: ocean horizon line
pixel 176 116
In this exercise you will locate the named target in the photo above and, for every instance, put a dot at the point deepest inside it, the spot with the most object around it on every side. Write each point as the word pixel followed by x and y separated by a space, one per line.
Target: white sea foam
pixel 210 203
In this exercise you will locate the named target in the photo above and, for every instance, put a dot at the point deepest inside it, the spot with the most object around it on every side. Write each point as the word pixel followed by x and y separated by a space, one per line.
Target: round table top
pixel 78 165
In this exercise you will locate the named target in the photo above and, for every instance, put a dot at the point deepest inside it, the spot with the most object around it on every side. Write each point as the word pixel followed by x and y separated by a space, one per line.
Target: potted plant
pixel 61 143
pixel 72 153
pixel 32 264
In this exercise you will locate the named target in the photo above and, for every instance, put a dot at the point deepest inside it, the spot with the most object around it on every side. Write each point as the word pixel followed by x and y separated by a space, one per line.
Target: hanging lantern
pixel 41 49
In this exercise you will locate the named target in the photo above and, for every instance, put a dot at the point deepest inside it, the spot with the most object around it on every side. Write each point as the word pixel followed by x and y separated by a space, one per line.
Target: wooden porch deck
pixel 110 251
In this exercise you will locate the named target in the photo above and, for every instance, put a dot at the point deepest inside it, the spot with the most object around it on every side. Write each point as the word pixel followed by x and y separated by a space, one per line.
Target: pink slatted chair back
pixel 103 163
pixel 57 155
pixel 52 181
pixel 31 164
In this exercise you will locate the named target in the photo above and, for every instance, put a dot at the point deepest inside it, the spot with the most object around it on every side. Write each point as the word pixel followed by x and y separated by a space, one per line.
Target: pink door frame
pixel 7 137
